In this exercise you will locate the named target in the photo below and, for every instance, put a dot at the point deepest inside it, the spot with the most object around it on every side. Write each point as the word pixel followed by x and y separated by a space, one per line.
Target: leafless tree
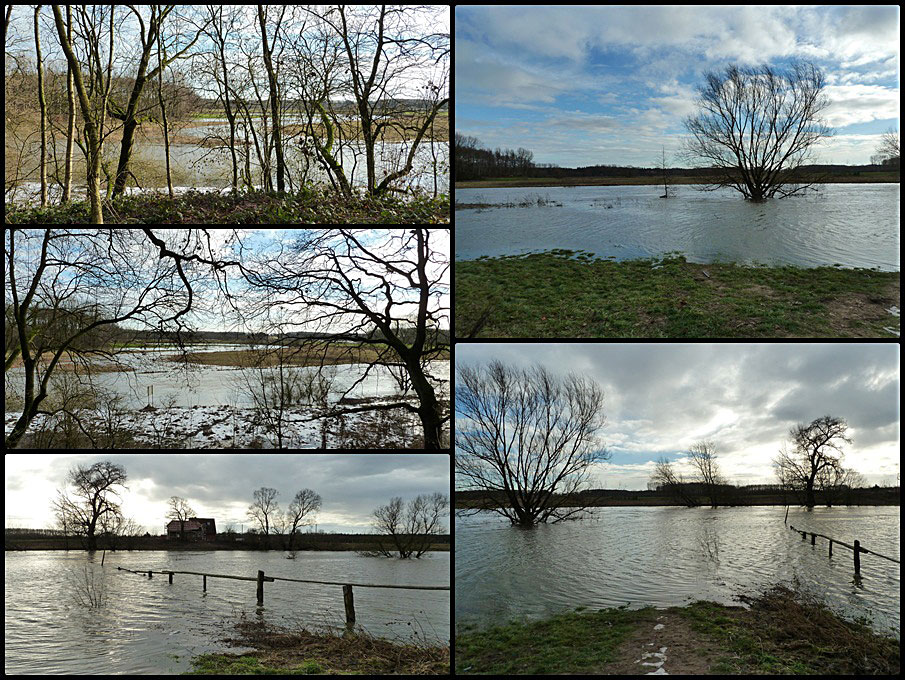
pixel 305 504
pixel 67 288
pixel 180 510
pixel 264 508
pixel 411 526
pixel 91 499
pixel 672 482
pixel 528 439
pixel 888 148
pixel 352 289
pixel 817 448
pixel 702 456
pixel 757 127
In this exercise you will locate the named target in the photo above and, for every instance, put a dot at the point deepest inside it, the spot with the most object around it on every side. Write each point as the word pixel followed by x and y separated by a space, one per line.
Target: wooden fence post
pixel 831 547
pixel 205 582
pixel 171 578
pixel 260 587
pixel 150 574
pixel 813 539
pixel 350 606
pixel 857 556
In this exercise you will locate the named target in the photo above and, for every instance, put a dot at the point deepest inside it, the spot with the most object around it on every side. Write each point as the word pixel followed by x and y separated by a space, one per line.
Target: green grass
pixel 574 295
pixel 308 206
pixel 782 633
pixel 223 664
pixel 568 643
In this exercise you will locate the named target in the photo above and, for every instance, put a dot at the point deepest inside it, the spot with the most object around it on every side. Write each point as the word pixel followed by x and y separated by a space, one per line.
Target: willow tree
pixel 527 439
pixel 757 128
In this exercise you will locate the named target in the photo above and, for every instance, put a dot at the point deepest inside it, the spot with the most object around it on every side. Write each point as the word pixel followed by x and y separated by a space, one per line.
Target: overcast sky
pixel 609 85
pixel 661 398
pixel 221 485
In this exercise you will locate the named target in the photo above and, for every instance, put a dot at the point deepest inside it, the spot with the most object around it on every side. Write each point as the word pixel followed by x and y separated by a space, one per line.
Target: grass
pixel 308 206
pixel 301 652
pixel 891 176
pixel 782 633
pixel 574 295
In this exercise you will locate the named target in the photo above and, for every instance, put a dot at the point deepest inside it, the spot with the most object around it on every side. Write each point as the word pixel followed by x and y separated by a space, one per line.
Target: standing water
pixel 671 556
pixel 149 626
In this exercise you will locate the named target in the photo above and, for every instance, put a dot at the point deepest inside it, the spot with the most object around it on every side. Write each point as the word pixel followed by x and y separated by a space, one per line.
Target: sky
pixel 210 311
pixel 221 486
pixel 659 399
pixel 592 85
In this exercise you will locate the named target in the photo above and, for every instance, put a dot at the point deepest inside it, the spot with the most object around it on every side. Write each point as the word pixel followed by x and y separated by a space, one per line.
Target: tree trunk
pixel 43 106
pixel 70 125
pixel 274 102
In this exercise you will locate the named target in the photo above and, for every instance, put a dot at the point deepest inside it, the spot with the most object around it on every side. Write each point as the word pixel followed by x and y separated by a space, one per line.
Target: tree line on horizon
pixel 527 439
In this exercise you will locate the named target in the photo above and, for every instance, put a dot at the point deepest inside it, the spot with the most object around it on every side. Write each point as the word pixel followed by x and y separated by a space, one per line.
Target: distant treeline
pixel 755 494
pixel 473 162
pixel 49 539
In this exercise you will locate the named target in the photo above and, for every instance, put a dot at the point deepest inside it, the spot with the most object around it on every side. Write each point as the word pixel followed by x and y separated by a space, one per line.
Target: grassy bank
pixel 301 652
pixel 782 633
pixel 490 183
pixel 569 295
pixel 308 206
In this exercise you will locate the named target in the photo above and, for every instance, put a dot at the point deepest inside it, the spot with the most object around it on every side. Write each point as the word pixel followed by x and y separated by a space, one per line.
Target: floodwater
pixel 206 385
pixel 670 556
pixel 854 225
pixel 211 169
pixel 150 626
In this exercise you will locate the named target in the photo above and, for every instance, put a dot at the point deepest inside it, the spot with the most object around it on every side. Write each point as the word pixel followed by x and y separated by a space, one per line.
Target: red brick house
pixel 196 529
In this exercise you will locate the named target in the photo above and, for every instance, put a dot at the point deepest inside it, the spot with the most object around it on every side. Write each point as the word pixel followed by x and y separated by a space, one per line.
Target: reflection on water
pixel 672 556
pixel 149 626
pixel 855 225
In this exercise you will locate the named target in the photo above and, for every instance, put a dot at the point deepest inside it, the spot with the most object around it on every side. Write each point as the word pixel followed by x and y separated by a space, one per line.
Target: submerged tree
pixel 757 127
pixel 528 439
pixel 411 526
pixel 818 450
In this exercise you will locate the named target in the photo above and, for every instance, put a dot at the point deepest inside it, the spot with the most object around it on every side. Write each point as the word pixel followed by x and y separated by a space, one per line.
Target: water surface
pixel 150 626
pixel 855 225
pixel 670 556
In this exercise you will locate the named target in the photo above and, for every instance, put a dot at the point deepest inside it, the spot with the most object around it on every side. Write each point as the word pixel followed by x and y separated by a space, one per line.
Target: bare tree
pixel 411 526
pixel 818 447
pixel 702 456
pixel 888 148
pixel 91 500
pixel 669 480
pixel 528 439
pixel 93 98
pixel 264 508
pixel 305 504
pixel 180 510
pixel 757 127
pixel 355 288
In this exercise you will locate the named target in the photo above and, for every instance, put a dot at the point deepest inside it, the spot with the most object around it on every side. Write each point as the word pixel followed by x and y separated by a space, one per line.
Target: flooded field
pixel 210 406
pixel 851 225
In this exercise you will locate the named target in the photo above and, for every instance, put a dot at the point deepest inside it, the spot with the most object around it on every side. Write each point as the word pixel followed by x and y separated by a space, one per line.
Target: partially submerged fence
pixel 348 599
pixel 857 549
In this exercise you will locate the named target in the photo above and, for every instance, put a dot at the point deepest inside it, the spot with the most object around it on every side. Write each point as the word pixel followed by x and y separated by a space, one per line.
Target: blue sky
pixel 588 85
pixel 659 399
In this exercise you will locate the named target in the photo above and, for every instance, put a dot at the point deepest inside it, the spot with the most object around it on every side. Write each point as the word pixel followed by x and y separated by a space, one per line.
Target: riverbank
pixel 564 294
pixel 511 182
pixel 283 652
pixel 308 206
pixel 779 633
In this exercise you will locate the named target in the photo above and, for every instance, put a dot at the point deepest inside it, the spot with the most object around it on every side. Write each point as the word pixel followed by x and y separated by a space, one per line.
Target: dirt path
pixel 669 646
